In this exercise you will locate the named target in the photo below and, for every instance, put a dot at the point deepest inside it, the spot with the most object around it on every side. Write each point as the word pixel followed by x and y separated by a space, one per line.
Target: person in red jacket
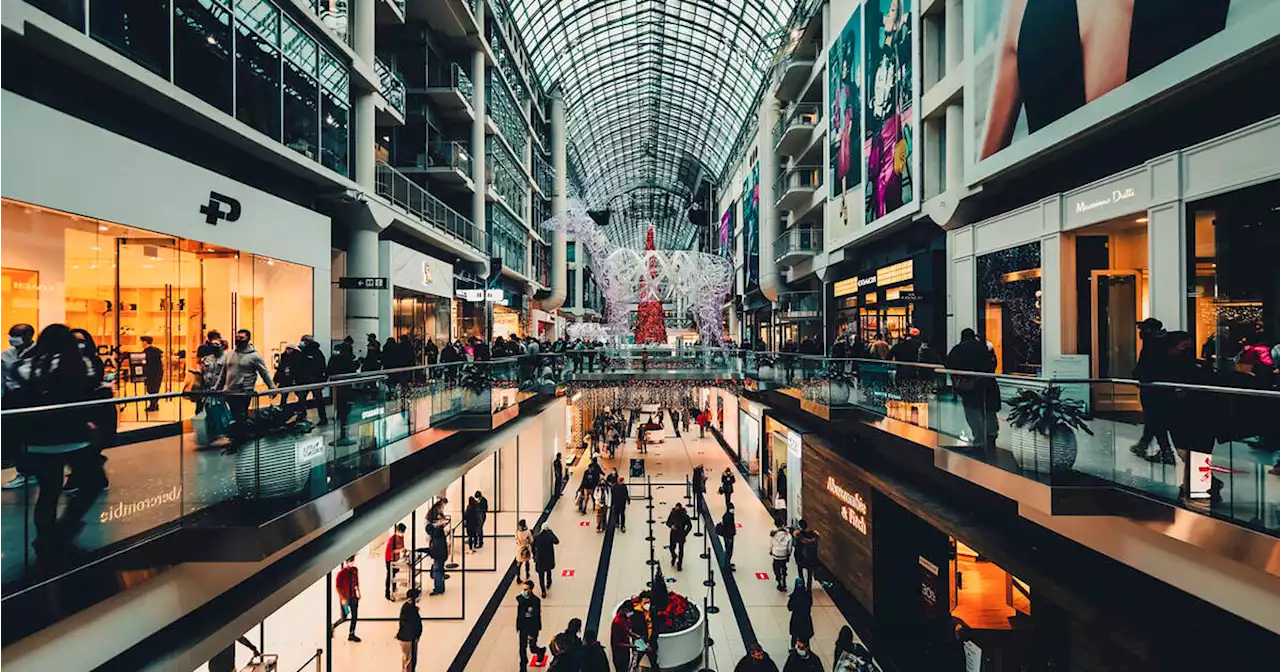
pixel 620 642
pixel 395 548
pixel 347 583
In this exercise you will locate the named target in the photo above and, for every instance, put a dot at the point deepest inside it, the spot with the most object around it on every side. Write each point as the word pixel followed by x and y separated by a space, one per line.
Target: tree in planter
pixel 1048 423
pixel 475 381
pixel 841 383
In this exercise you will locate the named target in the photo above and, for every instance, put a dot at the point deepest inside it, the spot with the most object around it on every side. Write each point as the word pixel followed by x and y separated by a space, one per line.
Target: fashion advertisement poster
pixel 890 95
pixel 844 87
pixel 751 227
pixel 1038 61
pixel 726 229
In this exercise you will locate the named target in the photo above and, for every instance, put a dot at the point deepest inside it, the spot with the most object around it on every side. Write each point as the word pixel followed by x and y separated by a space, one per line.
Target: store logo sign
pixel 1116 196
pixel 426 273
pixel 220 206
pixel 854 509
pixel 863 282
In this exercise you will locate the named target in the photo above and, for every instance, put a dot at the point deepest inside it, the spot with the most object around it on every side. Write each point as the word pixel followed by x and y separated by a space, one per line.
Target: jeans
pixel 677 552
pixel 391 571
pixel 544 578
pixel 529 644
pixel 620 517
pixel 728 551
pixel 409 656
pixel 86 472
pixel 780 572
pixel 318 395
pixel 238 404
pixel 354 605
pixel 437 576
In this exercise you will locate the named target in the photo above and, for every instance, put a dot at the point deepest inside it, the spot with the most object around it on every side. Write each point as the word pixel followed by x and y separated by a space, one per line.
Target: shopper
pixel 980 395
pixel 620 641
pixel 393 554
pixel 410 631
pixel 312 370
pixel 727 529
pixel 22 341
pixel 565 648
pixel 152 370
pixel 699 488
pixel 675 422
pixel 756 660
pixel 703 418
pixel 58 373
pixel 347 585
pixel 438 550
pixel 806 551
pixel 482 506
pixel 855 655
pixel 1191 412
pixel 557 466
pixel 680 525
pixel 244 367
pixel 800 604
pixel 592 657
pixel 780 544
pixel 879 348
pixel 544 556
pixel 524 548
pixel 603 495
pixel 528 625
pixel 471 523
pixel 225 660
pixel 726 486
pixel 802 659
pixel 621 498
pixel 1155 416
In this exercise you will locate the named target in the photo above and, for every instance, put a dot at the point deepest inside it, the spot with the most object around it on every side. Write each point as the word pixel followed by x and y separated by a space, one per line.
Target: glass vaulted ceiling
pixel 655 94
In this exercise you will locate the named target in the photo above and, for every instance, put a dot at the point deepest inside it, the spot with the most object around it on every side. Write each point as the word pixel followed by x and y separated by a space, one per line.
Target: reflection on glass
pixel 257 83
pixel 202 51
pixel 1009 310
pixel 138 29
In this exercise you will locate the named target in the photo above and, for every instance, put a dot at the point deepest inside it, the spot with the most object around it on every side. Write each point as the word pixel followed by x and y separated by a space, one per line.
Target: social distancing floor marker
pixel 763 576
pixel 566 572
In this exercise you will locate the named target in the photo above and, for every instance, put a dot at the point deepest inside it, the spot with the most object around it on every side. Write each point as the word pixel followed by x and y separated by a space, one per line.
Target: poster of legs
pixel 751 228
pixel 890 107
pixel 844 86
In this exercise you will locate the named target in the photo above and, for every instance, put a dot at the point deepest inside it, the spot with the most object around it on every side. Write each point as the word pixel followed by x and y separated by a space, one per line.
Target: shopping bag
pixel 218 418
pixel 200 423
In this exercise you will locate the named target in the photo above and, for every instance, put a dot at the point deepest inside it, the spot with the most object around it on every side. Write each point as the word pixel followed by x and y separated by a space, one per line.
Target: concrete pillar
pixel 479 158
pixel 770 280
pixel 362 304
pixel 559 206
pixel 955 35
pixel 364 168
pixel 955 146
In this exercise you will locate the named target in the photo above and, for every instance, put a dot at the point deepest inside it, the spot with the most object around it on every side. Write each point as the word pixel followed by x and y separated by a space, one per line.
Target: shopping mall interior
pixel 602 335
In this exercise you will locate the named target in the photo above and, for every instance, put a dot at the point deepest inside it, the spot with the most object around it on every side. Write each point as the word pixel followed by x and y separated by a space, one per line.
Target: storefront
pixel 750 418
pixel 165 250
pixel 892 286
pixel 420 298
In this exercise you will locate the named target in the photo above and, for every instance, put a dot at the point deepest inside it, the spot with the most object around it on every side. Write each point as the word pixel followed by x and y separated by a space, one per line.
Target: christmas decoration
pixel 650 319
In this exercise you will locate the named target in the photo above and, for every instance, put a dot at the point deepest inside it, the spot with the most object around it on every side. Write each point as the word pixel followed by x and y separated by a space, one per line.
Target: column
pixel 955 146
pixel 770 281
pixel 479 158
pixel 955 34
pixel 559 206
pixel 362 304
pixel 364 168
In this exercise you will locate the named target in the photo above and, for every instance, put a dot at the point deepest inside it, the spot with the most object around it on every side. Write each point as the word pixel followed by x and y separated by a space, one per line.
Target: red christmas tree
pixel 650 320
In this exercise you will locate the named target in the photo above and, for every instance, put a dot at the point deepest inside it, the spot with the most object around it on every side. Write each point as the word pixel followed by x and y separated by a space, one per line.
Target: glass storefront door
pixel 1117 311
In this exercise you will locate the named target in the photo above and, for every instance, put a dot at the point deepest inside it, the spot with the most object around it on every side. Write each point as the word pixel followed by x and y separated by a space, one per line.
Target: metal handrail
pixel 455 154
pixel 802 176
pixel 808 113
pixel 399 189
pixel 453 77
pixel 794 239
pixel 390 85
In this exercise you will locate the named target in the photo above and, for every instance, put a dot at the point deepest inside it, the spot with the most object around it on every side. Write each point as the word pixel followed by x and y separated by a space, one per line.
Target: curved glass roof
pixel 655 93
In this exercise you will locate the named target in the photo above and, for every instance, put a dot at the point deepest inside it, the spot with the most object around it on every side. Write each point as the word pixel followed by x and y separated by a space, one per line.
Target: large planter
pixel 838 394
pixel 1042 454
pixel 677 649
pixel 766 371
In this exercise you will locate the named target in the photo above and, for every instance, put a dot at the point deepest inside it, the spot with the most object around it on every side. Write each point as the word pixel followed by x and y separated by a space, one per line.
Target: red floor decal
pixel 538 661
pixel 739 525
pixel 566 572
pixel 763 576
pixel 585 523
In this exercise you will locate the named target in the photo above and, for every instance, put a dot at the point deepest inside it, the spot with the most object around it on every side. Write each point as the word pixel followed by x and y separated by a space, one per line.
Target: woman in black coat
pixel 800 604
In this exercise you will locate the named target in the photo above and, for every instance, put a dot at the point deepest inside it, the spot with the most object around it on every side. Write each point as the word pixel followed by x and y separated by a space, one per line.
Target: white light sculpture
pixel 702 280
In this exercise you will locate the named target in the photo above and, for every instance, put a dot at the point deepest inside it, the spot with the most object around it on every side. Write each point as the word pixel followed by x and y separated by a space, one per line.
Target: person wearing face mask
pixel 800 604
pixel 22 342
pixel 312 369
pixel 244 367
pixel 802 660
pixel 756 660
pixel 1188 409
pixel 528 624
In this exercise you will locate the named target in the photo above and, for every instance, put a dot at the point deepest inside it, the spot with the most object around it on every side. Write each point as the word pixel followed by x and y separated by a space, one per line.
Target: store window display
pixel 1009 307
pixel 125 285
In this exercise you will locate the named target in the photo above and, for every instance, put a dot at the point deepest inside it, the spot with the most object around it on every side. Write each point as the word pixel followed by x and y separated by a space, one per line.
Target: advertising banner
pixel 844 120
pixel 751 227
pixel 890 86
pixel 1035 63
pixel 726 230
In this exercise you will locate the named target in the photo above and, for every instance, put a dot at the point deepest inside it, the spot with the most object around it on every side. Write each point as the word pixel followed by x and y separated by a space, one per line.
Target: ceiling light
pixel 211 40
pixel 103 227
pixel 1142 220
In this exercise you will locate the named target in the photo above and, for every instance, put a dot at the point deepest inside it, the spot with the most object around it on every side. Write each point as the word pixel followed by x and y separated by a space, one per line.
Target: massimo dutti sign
pixel 1126 195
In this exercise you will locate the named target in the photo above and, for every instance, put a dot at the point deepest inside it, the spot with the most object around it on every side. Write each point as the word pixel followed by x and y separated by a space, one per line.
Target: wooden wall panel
pixel 837 503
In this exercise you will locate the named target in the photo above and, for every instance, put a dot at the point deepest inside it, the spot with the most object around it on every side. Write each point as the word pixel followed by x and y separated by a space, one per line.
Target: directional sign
pixel 362 283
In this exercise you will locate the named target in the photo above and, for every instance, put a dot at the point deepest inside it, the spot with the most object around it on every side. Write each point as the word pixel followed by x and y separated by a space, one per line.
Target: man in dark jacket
pixel 438 549
pixel 566 646
pixel 544 556
pixel 678 521
pixel 727 528
pixel 152 370
pixel 482 507
pixel 410 630
pixel 312 369
pixel 621 497
pixel 802 659
pixel 528 624
pixel 699 488
pixel 558 467
pixel 481 350
pixel 806 551
pixel 756 660
pixel 1155 416
pixel 980 395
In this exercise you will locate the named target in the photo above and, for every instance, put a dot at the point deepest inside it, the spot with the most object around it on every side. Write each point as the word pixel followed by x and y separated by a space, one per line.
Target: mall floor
pixel 578 575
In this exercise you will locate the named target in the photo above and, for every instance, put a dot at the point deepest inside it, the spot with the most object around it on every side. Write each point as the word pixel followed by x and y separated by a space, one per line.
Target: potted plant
pixel 1047 440
pixel 841 382
pixel 476 380
pixel 764 365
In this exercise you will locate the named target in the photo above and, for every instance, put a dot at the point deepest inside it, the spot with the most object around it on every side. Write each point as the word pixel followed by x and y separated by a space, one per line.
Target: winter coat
pixel 544 549
pixel 528 613
pixel 780 544
pixel 678 521
pixel 524 545
pixel 797 663
pixel 749 664
pixel 243 369
pixel 439 546
pixel 49 382
pixel 592 658
pixel 311 366
pixel 974 355
pixel 800 604
pixel 806 548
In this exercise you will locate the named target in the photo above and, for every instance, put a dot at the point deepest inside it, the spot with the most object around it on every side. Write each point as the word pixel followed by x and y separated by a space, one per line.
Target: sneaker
pixel 352 638
pixel 1139 449
pixel 19 481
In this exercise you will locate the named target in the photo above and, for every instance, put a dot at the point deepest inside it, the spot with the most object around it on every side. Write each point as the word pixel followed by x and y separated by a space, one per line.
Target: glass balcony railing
pixel 543 174
pixel 390 85
pixel 449 153
pixel 797 177
pixel 800 305
pixel 399 189
pixel 798 239
pixel 334 17
pixel 808 115
pixel 451 76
